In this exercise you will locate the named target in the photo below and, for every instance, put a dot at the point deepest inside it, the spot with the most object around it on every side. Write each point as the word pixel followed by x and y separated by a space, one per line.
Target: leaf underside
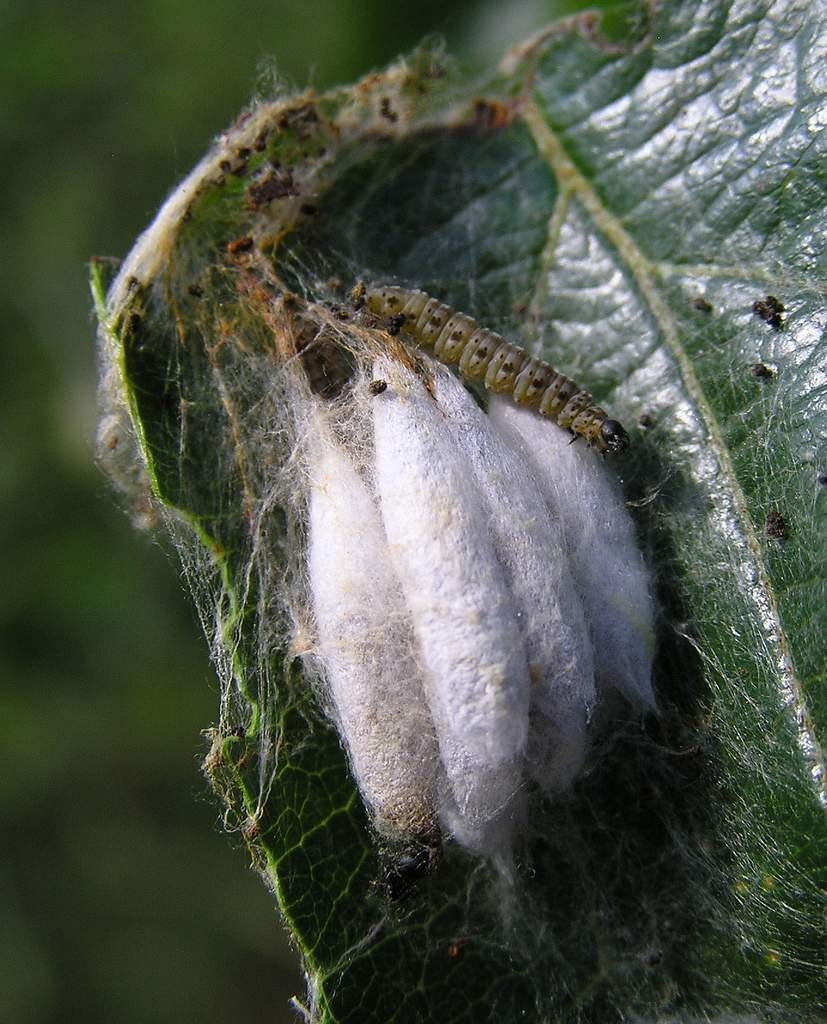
pixel 619 207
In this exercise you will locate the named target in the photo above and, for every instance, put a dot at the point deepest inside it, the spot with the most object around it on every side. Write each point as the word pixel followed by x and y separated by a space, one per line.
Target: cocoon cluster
pixel 476 587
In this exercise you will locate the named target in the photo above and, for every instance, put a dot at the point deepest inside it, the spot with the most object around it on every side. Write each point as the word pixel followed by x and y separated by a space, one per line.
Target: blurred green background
pixel 120 898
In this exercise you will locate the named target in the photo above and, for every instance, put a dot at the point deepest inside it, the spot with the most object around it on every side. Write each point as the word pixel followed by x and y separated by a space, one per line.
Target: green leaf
pixel 621 205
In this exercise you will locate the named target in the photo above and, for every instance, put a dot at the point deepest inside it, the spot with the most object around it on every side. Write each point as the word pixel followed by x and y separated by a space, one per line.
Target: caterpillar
pixel 502 366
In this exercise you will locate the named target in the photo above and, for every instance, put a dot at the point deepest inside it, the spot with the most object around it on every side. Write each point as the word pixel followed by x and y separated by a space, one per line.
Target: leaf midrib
pixel 572 182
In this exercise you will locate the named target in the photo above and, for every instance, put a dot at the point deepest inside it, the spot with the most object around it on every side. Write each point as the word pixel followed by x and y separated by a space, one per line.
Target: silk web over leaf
pixel 619 206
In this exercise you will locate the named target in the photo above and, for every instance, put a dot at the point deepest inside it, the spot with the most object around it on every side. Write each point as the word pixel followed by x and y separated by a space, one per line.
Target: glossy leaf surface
pixel 649 214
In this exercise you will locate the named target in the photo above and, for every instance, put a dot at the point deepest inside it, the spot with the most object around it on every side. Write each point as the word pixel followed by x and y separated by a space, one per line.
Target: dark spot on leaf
pixel 387 111
pixel 237 166
pixel 301 119
pixel 822 479
pixel 702 305
pixel 240 245
pixel 277 184
pixel 196 291
pixel 770 310
pixel 490 115
pixel 761 371
pixel 645 421
pixel 376 387
pixel 775 525
pixel 309 209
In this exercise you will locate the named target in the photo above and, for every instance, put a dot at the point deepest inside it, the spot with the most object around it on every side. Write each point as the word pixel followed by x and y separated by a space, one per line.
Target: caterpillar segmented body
pixel 503 367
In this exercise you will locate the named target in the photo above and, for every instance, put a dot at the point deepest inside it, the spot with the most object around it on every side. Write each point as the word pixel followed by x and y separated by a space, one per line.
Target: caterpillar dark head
pixel 613 438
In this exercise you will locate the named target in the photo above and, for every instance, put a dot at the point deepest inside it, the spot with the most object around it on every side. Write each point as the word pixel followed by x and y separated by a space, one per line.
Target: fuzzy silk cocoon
pixel 529 544
pixel 366 646
pixel 602 549
pixel 464 617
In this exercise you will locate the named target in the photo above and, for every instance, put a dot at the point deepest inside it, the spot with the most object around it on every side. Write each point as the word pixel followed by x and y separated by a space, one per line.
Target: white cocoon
pixel 464 617
pixel 602 549
pixel 366 645
pixel 529 545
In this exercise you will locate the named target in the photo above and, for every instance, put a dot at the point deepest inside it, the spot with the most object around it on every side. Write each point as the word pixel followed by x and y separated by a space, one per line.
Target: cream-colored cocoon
pixel 366 645
pixel 476 585
pixel 463 614
pixel 528 542
pixel 601 547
